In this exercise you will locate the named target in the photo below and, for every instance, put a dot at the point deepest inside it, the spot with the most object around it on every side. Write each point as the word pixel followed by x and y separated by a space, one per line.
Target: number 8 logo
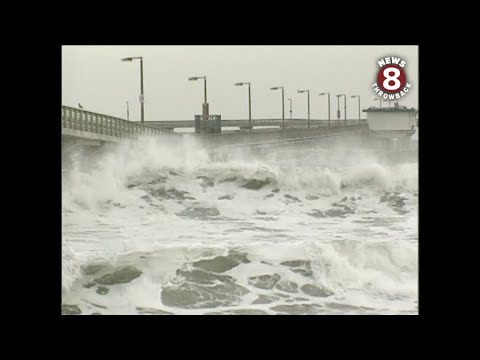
pixel 391 78
pixel 396 83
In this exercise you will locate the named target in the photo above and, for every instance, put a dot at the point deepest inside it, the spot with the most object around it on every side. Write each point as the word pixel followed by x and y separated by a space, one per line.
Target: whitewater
pixel 155 228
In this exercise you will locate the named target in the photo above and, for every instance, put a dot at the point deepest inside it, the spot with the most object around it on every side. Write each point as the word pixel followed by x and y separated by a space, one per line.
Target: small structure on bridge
pixel 392 123
pixel 212 125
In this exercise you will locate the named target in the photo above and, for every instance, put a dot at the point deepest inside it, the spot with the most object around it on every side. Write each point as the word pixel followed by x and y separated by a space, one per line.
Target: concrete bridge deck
pixel 81 127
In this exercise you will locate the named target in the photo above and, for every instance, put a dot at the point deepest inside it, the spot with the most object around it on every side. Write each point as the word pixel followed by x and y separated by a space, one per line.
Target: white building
pixel 392 122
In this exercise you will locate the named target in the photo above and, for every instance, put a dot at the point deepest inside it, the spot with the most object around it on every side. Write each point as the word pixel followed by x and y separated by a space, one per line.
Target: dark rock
pixel 92 269
pixel 295 263
pixel 269 196
pixel 312 197
pixel 226 197
pixel 177 194
pixel 199 213
pixel 173 173
pixel 229 179
pixel 292 198
pixel 395 201
pixel 258 212
pixel 264 281
pixel 248 312
pixel 316 291
pixel 102 290
pixel 121 276
pixel 352 198
pixel 343 306
pixel 70 310
pixel 295 309
pixel 317 213
pixel 199 276
pixel 239 256
pixel 95 313
pixel 89 285
pixel 335 213
pixel 304 272
pixel 344 199
pixel 264 299
pixel 218 264
pixel 302 267
pixel 159 180
pixel 151 311
pixel 192 296
pixel 275 190
pixel 287 286
pixel 129 187
pixel 255 184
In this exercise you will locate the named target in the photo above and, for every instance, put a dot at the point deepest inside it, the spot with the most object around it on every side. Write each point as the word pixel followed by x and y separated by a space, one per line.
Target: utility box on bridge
pixel 212 125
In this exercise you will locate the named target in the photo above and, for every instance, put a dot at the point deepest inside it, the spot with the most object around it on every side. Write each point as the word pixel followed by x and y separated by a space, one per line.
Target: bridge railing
pixel 244 137
pixel 82 120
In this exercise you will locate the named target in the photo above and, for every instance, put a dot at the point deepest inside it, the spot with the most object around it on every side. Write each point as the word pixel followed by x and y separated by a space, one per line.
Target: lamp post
pixel 308 105
pixel 205 104
pixel 357 96
pixel 328 106
pixel 130 59
pixel 290 110
pixel 338 110
pixel 378 99
pixel 345 108
pixel 283 104
pixel 249 105
pixel 128 112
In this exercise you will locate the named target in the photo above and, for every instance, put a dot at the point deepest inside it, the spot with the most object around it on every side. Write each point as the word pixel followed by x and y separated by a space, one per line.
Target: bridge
pixel 85 128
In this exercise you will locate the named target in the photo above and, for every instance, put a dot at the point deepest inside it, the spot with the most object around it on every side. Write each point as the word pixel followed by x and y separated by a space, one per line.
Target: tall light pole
pixel 338 110
pixel 345 107
pixel 378 99
pixel 249 105
pixel 308 104
pixel 290 109
pixel 357 96
pixel 205 104
pixel 142 100
pixel 128 112
pixel 328 106
pixel 283 104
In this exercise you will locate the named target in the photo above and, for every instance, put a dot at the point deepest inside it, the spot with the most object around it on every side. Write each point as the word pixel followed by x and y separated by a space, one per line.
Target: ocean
pixel 312 228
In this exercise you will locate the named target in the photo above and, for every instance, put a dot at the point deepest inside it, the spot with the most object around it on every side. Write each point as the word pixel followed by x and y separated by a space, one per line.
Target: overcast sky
pixel 95 77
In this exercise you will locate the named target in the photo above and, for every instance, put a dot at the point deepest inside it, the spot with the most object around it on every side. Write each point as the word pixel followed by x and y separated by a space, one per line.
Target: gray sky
pixel 95 77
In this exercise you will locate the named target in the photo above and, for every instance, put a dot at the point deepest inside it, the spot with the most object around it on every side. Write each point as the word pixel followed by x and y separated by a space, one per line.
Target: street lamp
pixel 308 104
pixel 379 99
pixel 249 105
pixel 205 104
pixel 290 110
pixel 130 59
pixel 328 106
pixel 338 110
pixel 357 96
pixel 128 112
pixel 283 104
pixel 345 107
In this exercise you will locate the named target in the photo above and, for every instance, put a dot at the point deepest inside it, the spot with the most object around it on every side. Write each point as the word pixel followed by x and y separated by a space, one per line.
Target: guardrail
pixel 256 122
pixel 246 137
pixel 82 120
